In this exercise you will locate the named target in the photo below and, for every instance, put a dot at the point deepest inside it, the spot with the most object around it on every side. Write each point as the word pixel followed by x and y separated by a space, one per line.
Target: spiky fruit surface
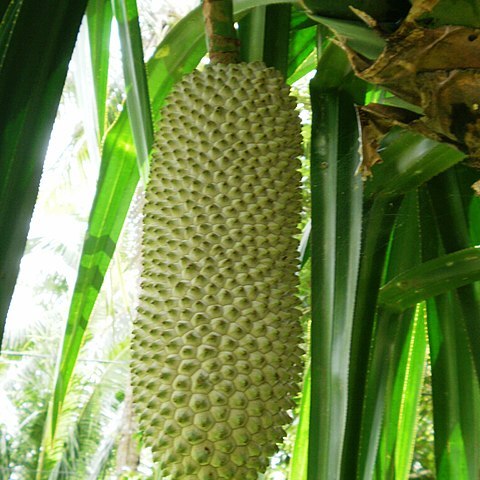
pixel 215 355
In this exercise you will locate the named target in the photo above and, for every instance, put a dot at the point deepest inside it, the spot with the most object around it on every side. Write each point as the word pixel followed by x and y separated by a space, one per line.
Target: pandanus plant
pixel 394 207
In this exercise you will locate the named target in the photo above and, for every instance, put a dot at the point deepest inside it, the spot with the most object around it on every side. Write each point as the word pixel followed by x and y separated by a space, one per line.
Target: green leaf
pixel 390 343
pixel 335 252
pixel 99 21
pixel 448 200
pixel 138 102
pixel 379 217
pixel 299 462
pixel 268 33
pixel 455 392
pixel 302 44
pixel 459 12
pixel 357 36
pixel 252 35
pixel 303 69
pixel 456 400
pixel 409 160
pixel 399 439
pixel 474 215
pixel 305 244
pixel 383 10
pixel 432 278
pixel 36 40
pixel 9 20
pixel 338 69
pixel 398 355
pixel 86 89
pixel 277 37
pixel 398 362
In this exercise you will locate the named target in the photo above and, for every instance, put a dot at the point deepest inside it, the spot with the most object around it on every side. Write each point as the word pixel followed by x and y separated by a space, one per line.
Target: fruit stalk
pixel 223 46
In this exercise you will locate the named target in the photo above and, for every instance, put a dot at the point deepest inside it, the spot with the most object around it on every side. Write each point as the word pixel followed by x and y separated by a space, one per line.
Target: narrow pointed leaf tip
pixel 432 278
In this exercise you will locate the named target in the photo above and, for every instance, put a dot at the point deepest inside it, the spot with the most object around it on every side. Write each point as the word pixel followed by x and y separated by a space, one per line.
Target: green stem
pixel 222 42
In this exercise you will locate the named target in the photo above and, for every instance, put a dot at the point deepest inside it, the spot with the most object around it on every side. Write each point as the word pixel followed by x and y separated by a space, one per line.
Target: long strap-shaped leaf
pixel 378 222
pixel 397 438
pixel 335 251
pixel 251 35
pixel 400 172
pixel 138 102
pixel 302 43
pixel 299 461
pixel 408 160
pixel 397 340
pixel 455 386
pixel 99 20
pixel 453 382
pixel 36 43
pixel 177 54
pixel 474 220
pixel 432 278
pixel 449 206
